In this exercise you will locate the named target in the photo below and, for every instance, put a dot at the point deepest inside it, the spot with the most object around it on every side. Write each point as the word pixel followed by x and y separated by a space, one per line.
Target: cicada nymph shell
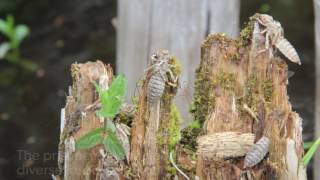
pixel 257 152
pixel 287 49
pixel 275 35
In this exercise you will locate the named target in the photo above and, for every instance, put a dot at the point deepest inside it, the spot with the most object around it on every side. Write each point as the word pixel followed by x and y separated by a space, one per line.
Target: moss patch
pixel 189 135
pixel 268 90
pixel 204 97
pixel 174 127
pixel 224 80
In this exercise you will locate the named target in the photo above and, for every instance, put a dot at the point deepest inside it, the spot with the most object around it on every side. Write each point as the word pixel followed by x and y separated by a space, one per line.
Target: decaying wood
pixel 225 145
pixel 79 119
pixel 150 142
pixel 240 98
pixel 233 74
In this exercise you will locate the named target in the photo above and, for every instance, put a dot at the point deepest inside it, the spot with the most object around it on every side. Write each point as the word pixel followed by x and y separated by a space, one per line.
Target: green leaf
pixel 112 98
pixel 90 139
pixel 113 146
pixel 3 27
pixel 307 145
pixel 4 48
pixel 313 149
pixel 20 32
pixel 10 26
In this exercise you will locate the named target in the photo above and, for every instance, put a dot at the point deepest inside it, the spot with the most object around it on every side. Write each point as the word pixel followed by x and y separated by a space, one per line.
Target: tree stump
pixel 80 119
pixel 151 145
pixel 243 91
pixel 240 98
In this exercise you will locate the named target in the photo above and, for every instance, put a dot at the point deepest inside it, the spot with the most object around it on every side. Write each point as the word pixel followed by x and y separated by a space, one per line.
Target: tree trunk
pixel 177 25
pixel 316 164
pixel 240 93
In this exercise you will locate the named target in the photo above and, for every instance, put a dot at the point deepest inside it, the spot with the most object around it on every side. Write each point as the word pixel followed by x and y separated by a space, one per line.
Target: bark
pixel 151 145
pixel 240 90
pixel 317 102
pixel 79 118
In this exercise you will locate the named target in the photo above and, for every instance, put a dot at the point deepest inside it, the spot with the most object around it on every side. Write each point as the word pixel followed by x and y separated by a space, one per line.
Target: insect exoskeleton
pixel 257 152
pixel 286 48
pixel 275 36
pixel 156 87
pixel 159 68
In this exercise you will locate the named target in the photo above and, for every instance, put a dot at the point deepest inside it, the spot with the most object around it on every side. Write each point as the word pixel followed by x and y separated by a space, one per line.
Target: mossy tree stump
pixel 239 89
pixel 151 145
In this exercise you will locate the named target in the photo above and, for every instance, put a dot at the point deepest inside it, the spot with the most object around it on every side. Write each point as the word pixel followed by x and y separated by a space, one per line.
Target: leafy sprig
pixel 10 49
pixel 111 100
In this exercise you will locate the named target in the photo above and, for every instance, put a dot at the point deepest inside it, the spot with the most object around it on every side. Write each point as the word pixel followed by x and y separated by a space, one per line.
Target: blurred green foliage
pixel 10 49
pixel 311 152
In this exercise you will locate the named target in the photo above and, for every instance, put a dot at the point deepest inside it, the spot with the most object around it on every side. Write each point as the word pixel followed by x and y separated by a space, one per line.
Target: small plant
pixel 111 101
pixel 311 152
pixel 10 49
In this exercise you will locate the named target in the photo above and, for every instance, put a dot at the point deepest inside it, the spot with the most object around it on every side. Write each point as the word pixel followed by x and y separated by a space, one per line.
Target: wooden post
pixel 177 25
pixel 316 164
pixel 224 17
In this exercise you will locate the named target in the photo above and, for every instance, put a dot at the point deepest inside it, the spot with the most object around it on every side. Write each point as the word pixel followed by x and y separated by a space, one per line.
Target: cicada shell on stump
pixel 257 152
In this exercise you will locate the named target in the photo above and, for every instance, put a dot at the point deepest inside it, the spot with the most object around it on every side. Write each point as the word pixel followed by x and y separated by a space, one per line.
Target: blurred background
pixel 40 39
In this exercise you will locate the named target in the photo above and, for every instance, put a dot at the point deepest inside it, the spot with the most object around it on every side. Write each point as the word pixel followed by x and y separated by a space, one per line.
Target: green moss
pixel 246 32
pixel 189 135
pixel 268 90
pixel 124 118
pixel 195 125
pixel 250 91
pixel 176 66
pixel 174 127
pixel 204 97
pixel 215 38
pixel 226 81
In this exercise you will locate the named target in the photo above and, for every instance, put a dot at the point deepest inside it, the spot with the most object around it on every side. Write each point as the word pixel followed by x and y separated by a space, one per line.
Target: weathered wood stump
pixel 240 89
pixel 151 145
pixel 240 97
pixel 79 118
